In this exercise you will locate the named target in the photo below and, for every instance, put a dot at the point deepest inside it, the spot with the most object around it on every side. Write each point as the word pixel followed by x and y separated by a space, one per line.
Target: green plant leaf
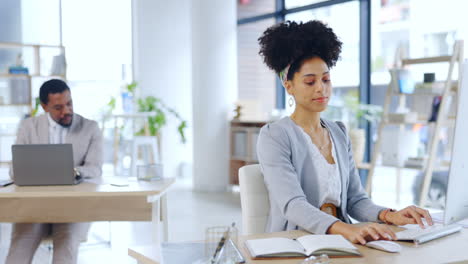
pixel 131 87
pixel 112 103
pixel 159 120
pixel 181 128
pixel 37 103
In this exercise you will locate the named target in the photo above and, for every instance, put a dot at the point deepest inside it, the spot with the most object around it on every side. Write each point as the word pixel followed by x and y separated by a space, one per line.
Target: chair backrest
pixel 254 200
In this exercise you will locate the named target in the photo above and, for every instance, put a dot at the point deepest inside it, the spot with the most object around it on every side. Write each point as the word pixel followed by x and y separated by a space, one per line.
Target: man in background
pixel 59 125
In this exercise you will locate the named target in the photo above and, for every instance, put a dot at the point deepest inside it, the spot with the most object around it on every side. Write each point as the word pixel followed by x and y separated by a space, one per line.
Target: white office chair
pixel 254 200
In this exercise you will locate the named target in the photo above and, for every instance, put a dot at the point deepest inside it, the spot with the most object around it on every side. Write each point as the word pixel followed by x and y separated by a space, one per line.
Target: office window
pixel 256 80
pixel 420 28
pixel 250 8
pixel 40 22
pixel 345 75
pixel 98 51
pixel 298 3
pixel 346 71
pixel 410 26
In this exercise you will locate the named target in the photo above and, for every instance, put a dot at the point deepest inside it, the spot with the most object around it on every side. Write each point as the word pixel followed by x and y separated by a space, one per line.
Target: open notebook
pixel 332 245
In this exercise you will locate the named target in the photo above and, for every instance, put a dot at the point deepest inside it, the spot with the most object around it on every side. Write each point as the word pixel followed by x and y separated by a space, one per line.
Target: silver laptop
pixel 43 164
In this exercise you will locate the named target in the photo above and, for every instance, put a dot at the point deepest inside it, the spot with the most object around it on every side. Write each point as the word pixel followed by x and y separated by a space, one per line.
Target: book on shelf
pixel 18 70
pixel 304 246
pixel 433 87
pixel 20 91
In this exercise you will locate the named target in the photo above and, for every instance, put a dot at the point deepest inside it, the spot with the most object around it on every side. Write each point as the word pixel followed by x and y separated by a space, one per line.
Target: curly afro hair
pixel 290 43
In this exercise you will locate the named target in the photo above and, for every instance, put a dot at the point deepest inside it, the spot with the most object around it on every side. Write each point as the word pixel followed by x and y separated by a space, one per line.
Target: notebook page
pixel 269 246
pixel 315 242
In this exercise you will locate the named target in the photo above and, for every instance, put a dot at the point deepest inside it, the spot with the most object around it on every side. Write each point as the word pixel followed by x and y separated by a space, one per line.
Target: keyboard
pixel 419 235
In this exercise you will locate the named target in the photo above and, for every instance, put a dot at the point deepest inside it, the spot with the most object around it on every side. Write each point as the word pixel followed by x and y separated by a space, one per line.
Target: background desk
pixel 146 254
pixel 452 248
pixel 88 202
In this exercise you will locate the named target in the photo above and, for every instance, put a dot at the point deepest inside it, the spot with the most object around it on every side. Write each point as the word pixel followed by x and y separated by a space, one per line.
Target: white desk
pixel 88 202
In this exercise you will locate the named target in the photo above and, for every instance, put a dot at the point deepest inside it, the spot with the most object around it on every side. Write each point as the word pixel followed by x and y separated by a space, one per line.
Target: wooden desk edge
pixel 140 253
pixel 73 191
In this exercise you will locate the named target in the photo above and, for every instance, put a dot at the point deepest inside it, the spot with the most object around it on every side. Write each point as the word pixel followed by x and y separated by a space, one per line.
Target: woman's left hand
pixel 409 215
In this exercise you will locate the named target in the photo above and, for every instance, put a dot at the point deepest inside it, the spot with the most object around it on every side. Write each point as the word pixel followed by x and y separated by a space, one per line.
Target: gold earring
pixel 291 101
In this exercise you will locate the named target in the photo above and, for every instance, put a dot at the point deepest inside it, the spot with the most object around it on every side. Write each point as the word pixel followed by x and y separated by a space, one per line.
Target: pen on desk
pixel 6 183
pixel 220 247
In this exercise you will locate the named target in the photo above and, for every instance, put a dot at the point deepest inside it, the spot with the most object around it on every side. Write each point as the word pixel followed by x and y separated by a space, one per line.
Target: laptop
pixel 43 164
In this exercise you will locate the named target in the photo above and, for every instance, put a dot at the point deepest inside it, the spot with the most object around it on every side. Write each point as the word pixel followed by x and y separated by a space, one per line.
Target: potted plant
pixel 156 122
pixel 356 112
pixel 150 104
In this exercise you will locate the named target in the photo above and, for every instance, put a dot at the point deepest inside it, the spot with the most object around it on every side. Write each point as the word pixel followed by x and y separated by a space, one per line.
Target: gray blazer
pixel 84 135
pixel 291 179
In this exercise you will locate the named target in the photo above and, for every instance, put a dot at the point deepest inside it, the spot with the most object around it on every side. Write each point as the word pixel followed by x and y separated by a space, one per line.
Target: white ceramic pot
pixel 358 144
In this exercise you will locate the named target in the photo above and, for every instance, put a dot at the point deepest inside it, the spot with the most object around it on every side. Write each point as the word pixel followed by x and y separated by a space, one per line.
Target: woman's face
pixel 311 85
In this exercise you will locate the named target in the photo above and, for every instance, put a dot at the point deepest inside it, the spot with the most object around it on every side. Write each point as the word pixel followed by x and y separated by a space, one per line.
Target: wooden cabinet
pixel 243 150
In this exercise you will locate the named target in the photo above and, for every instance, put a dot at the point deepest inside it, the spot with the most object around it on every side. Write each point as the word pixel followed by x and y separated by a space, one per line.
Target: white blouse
pixel 328 174
pixel 57 133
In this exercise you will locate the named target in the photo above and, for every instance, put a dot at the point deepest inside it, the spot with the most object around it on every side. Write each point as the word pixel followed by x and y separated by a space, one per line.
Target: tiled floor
pixel 189 214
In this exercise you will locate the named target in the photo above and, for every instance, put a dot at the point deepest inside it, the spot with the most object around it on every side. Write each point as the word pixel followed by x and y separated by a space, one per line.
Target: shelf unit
pixel 243 146
pixel 35 73
pixel 36 66
pixel 450 90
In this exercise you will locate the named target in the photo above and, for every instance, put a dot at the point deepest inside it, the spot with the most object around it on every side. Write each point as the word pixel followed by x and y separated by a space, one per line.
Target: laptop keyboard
pixel 420 235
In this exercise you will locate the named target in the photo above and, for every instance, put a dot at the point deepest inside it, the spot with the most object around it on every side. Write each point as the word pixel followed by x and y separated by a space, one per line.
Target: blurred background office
pixel 188 74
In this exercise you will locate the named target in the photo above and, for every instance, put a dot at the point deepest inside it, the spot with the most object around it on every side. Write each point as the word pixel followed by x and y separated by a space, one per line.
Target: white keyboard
pixel 420 235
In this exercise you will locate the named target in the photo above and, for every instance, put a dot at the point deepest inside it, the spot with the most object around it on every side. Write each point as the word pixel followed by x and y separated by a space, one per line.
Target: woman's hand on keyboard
pixel 363 232
pixel 409 215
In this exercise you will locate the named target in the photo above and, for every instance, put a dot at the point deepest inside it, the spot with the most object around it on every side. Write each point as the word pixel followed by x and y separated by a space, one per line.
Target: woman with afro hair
pixel 306 161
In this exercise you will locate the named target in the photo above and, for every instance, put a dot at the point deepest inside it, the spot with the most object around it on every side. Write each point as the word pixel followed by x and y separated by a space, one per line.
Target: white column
pixel 214 31
pixel 162 65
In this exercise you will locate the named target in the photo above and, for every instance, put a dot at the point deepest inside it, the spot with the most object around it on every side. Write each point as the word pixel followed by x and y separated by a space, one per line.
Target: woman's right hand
pixel 361 233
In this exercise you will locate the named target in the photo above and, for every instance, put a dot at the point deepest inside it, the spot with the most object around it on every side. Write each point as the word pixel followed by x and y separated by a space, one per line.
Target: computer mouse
pixel 384 245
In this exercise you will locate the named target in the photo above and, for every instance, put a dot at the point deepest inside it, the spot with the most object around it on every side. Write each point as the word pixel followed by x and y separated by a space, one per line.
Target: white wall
pixel 214 26
pixel 162 67
pixel 185 53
